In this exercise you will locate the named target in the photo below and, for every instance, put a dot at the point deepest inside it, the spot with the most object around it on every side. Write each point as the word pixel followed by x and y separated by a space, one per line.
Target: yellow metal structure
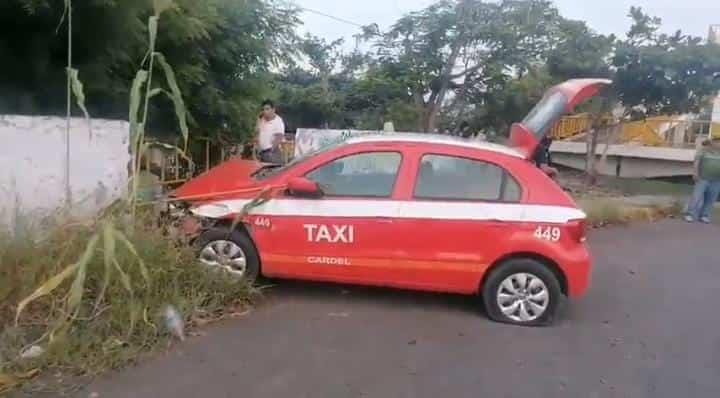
pixel 570 126
pixel 715 129
pixel 645 132
pixel 654 131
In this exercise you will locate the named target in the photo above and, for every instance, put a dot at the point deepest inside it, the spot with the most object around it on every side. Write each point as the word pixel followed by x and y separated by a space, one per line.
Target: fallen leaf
pixel 32 352
pixel 239 314
pixel 8 381
pixel 339 314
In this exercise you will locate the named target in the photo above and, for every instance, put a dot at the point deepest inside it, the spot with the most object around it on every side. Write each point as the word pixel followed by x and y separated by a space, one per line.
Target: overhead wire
pixel 338 19
pixel 343 20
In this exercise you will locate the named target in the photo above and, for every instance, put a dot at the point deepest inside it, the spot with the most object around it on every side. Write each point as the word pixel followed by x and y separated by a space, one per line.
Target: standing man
pixel 270 132
pixel 542 157
pixel 707 182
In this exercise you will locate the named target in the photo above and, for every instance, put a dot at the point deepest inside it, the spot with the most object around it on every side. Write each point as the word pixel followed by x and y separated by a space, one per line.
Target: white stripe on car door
pixel 361 208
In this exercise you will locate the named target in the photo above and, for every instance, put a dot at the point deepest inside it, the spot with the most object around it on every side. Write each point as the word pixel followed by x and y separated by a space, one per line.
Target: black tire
pixel 240 238
pixel 490 291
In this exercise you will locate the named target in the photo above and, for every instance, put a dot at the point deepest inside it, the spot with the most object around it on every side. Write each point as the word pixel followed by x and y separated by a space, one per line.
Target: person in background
pixel 706 174
pixel 542 157
pixel 465 130
pixel 270 133
pixel 149 185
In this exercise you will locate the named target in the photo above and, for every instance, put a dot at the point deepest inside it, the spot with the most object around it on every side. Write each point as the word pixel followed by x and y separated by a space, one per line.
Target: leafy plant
pixel 144 77
pixel 122 263
pixel 221 51
pixel 110 237
pixel 104 309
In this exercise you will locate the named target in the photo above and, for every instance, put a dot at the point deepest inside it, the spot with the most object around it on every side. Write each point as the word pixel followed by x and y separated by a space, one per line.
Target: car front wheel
pixel 522 292
pixel 229 251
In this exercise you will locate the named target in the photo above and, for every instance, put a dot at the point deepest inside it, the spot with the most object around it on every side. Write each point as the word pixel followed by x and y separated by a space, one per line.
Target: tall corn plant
pixel 74 87
pixel 107 238
pixel 143 80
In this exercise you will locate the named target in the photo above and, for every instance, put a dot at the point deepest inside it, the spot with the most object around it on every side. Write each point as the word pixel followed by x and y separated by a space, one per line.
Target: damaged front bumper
pixel 183 224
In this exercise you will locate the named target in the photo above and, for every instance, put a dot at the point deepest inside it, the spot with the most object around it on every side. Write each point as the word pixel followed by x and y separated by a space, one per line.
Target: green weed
pixel 92 296
pixel 612 211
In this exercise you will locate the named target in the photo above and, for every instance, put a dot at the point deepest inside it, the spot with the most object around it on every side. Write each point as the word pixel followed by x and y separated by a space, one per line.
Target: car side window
pixel 370 174
pixel 456 178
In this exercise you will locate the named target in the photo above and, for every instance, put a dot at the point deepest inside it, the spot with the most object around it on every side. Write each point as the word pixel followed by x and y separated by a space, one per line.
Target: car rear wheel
pixel 522 292
pixel 228 251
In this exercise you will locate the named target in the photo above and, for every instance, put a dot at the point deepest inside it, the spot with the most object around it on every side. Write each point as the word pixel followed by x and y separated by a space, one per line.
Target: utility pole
pixel 714 130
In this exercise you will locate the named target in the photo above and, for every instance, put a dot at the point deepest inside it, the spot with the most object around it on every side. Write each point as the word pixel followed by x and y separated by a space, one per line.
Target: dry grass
pixel 90 297
pixel 611 211
pixel 105 320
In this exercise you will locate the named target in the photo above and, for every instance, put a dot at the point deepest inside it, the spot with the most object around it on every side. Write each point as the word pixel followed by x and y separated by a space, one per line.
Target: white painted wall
pixel 715 116
pixel 311 140
pixel 32 167
pixel 635 161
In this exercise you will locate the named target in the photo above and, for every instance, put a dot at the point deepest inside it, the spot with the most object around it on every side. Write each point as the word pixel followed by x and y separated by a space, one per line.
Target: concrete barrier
pixel 628 161
pixel 33 168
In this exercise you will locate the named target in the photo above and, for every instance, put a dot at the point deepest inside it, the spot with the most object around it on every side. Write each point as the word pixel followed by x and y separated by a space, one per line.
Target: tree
pixel 311 88
pixel 540 49
pixel 222 52
pixel 664 74
pixel 578 52
pixel 381 95
pixel 468 52
pixel 325 87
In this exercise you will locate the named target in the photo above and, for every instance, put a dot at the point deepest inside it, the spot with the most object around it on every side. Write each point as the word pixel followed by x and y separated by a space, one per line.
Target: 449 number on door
pixel 552 234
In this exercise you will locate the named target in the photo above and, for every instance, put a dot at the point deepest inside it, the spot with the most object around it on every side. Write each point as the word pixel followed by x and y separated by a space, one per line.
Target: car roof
pixel 434 139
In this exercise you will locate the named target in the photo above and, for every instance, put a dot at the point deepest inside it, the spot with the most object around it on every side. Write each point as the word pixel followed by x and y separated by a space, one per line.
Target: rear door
pixel 347 234
pixel 456 216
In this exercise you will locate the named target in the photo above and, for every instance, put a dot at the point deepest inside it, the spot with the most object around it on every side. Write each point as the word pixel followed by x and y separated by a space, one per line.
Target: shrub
pixel 106 308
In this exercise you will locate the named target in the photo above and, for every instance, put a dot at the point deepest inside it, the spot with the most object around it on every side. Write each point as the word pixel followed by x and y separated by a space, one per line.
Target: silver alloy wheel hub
pixel 225 255
pixel 523 297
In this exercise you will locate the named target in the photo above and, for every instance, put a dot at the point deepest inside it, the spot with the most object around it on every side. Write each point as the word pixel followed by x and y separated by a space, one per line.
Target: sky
pixel 604 16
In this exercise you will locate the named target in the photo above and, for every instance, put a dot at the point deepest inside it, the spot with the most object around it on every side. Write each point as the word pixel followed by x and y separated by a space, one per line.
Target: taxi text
pixel 330 233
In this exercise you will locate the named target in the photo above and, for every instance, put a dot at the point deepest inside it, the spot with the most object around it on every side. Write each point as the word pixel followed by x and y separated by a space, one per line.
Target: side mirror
pixel 301 186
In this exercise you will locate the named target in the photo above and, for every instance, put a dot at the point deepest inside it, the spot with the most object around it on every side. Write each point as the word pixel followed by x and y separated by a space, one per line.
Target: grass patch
pixel 612 211
pixel 641 186
pixel 110 310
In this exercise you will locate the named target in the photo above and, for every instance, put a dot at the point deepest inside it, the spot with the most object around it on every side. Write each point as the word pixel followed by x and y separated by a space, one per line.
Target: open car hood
pixel 232 175
pixel 558 101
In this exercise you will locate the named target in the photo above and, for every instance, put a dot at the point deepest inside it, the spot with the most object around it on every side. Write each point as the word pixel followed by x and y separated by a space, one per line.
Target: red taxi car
pixel 411 211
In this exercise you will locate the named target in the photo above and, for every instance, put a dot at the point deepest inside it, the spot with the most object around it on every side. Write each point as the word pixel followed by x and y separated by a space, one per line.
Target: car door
pixel 344 235
pixel 456 214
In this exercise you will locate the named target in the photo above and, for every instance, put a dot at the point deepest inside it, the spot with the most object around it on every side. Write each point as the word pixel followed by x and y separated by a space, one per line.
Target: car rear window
pixel 455 178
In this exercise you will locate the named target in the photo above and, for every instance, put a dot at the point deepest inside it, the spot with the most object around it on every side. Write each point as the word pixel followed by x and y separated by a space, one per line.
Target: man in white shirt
pixel 270 133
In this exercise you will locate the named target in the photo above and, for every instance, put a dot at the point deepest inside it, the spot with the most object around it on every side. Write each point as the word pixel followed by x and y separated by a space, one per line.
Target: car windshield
pixel 272 170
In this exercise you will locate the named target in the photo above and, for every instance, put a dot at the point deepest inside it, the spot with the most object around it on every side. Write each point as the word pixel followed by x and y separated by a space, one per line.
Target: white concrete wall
pixel 32 167
pixel 311 140
pixel 635 161
pixel 715 116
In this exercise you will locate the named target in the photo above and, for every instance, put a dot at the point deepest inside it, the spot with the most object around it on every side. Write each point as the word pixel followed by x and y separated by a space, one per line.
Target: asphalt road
pixel 650 327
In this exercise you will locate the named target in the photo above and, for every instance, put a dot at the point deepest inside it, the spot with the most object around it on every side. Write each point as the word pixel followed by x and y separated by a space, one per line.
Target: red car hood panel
pixel 222 180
